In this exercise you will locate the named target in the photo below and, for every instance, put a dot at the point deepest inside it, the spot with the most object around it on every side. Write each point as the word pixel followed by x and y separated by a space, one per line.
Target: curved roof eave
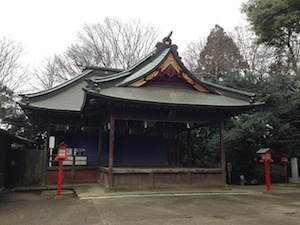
pixel 25 106
pixel 161 95
pixel 238 109
pixel 245 93
pixel 58 87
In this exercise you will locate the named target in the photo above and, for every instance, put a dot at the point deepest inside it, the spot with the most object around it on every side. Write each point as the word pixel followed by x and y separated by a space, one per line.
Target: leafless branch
pixel 12 73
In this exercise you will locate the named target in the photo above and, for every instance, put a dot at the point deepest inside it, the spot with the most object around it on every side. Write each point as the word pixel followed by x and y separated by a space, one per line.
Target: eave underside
pixel 97 109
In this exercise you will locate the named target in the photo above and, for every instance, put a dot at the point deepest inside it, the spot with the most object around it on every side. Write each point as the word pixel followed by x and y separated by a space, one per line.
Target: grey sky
pixel 45 27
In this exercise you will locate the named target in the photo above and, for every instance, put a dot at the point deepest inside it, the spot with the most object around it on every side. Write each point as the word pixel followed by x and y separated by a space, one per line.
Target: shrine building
pixel 122 126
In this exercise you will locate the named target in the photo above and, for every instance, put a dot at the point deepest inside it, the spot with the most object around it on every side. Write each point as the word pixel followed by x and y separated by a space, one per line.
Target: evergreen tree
pixel 12 118
pixel 220 60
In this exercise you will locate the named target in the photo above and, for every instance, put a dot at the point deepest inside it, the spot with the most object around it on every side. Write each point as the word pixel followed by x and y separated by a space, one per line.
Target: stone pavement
pixel 95 191
pixel 95 206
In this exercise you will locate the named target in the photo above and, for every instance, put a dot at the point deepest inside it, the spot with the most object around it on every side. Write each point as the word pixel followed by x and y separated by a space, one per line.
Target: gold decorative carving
pixel 151 75
pixel 170 60
pixel 144 80
pixel 138 83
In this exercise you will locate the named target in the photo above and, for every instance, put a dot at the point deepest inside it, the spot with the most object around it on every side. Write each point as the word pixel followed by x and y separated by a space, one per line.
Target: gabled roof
pixel 162 78
pixel 160 61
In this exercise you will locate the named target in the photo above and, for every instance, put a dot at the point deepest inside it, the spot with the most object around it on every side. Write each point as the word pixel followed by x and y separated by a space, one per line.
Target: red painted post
pixel 59 178
pixel 267 174
pixel 61 156
pixel 266 158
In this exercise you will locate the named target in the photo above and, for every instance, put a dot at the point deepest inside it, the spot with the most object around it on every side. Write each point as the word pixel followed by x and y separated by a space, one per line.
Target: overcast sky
pixel 49 26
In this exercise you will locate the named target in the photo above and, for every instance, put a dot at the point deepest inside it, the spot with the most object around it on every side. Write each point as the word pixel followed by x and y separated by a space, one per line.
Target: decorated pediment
pixel 169 72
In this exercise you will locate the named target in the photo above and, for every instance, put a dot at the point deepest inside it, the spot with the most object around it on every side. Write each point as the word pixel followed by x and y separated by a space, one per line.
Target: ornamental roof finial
pixel 167 40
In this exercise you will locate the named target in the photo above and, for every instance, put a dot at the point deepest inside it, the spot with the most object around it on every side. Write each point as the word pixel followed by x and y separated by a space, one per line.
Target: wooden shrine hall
pixel 122 126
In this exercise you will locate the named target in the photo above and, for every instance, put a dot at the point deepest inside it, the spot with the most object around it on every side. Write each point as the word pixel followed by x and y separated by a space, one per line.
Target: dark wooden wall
pixel 24 168
pixel 4 148
pixel 136 151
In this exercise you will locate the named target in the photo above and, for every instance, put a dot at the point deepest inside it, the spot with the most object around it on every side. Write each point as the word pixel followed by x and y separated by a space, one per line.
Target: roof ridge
pixel 109 69
pixel 140 61
pixel 159 47
pixel 108 77
pixel 163 53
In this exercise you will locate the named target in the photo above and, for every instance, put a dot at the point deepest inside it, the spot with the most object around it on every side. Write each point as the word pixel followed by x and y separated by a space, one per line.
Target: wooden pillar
pixel 223 157
pixel 111 147
pixel 189 148
pixel 100 133
pixel 46 157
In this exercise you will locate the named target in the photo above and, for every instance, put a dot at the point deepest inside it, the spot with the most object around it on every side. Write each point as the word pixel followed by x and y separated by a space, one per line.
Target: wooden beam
pixel 163 117
pixel 46 154
pixel 223 156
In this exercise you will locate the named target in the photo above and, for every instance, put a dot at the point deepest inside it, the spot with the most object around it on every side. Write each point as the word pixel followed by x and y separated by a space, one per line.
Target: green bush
pixel 276 171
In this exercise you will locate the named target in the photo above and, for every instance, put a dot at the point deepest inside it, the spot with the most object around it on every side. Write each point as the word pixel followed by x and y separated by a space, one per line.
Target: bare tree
pixel 52 72
pixel 258 56
pixel 11 71
pixel 12 75
pixel 192 54
pixel 112 44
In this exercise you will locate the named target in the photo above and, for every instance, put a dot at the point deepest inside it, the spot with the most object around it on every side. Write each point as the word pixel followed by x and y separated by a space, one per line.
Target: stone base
pixel 294 180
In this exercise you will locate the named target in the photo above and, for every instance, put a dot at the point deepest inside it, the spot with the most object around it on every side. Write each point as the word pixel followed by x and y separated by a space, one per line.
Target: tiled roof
pixel 120 86
pixel 138 83
pixel 165 95
pixel 67 96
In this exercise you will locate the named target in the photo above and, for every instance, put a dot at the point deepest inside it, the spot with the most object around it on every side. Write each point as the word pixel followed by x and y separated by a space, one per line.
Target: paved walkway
pixel 95 191
pixel 250 205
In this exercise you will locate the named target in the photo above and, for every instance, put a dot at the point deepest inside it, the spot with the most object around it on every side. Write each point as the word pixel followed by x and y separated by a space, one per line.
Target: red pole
pixel 285 172
pixel 267 174
pixel 59 178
